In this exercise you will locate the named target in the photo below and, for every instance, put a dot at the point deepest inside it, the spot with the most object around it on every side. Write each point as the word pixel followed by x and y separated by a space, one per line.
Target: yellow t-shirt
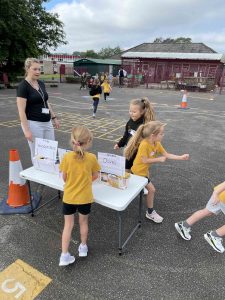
pixel 148 150
pixel 106 87
pixel 221 195
pixel 78 185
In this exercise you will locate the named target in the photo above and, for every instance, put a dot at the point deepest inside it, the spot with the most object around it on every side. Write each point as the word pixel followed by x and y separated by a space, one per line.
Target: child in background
pixel 106 88
pixel 110 77
pixel 147 143
pixel 215 205
pixel 79 169
pixel 141 112
pixel 83 81
pixel 95 92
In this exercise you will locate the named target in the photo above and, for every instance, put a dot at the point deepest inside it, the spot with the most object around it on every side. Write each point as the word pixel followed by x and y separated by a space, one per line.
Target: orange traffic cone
pixel 183 104
pixel 18 193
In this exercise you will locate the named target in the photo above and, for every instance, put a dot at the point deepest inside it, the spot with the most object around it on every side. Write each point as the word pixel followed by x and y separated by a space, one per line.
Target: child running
pixel 79 168
pixel 106 88
pixel 95 92
pixel 141 112
pixel 147 143
pixel 215 205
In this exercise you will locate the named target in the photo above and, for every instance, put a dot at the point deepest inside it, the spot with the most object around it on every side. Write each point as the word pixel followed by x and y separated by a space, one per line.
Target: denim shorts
pixel 215 209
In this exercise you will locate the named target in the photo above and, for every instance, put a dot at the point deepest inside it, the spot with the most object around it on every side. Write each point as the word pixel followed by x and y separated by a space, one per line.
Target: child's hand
pixel 215 198
pixel 116 147
pixel 185 156
pixel 161 159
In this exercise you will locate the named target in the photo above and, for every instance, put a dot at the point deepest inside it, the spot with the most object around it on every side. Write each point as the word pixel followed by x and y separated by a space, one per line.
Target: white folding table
pixel 104 195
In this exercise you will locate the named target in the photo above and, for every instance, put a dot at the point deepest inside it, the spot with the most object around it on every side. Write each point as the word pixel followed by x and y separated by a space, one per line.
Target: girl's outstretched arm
pixel 176 157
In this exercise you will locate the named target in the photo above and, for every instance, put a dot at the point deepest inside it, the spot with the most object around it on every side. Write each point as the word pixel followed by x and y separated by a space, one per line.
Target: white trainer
pixel 93 115
pixel 66 259
pixel 154 217
pixel 215 242
pixel 183 231
pixel 83 250
pixel 145 191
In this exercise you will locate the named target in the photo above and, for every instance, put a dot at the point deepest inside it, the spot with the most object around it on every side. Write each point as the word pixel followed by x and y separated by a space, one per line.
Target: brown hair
pixel 145 105
pixel 28 62
pixel 81 137
pixel 144 131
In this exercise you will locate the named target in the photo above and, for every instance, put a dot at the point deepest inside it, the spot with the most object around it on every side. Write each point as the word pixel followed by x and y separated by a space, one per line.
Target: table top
pixel 105 195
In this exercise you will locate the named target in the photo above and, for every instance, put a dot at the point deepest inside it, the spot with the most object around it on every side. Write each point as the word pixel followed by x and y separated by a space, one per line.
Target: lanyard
pixel 40 92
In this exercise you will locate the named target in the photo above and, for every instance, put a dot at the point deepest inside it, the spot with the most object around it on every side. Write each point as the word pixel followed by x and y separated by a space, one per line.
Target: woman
pixel 34 110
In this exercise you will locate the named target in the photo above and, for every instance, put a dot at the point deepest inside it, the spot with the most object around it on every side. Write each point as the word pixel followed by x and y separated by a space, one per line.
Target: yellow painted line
pixel 109 132
pixel 21 281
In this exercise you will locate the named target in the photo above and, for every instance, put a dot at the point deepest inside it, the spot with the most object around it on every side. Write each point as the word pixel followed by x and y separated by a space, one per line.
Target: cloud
pixel 95 24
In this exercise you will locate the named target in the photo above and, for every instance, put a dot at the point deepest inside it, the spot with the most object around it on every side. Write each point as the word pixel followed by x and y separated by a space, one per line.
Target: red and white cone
pixel 183 104
pixel 18 193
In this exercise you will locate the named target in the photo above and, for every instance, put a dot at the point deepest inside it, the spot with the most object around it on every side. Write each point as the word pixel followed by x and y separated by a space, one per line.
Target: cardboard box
pixel 115 181
pixel 45 158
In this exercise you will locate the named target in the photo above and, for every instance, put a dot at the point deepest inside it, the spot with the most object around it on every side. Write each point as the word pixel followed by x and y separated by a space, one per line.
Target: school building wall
pixel 163 69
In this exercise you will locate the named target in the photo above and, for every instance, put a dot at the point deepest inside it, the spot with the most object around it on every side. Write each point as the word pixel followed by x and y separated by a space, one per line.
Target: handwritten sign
pixel 46 148
pixel 61 153
pixel 111 163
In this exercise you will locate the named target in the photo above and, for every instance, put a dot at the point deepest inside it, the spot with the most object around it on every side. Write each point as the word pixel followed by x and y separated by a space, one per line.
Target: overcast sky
pixel 96 24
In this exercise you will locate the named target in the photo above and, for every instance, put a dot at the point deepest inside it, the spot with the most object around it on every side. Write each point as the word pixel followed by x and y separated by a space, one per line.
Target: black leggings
pixel 95 104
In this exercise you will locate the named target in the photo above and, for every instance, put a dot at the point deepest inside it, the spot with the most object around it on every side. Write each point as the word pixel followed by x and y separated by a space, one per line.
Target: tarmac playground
pixel 157 263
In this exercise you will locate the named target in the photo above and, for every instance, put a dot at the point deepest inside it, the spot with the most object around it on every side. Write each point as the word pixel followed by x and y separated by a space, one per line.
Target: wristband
pixel 53 118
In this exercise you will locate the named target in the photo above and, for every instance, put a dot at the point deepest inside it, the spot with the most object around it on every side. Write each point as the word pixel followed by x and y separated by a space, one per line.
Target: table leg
pixel 31 198
pixel 138 225
pixel 120 233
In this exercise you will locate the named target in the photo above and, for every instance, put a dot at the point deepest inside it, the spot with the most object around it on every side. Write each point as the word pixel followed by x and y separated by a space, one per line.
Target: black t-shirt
pixel 131 128
pixel 121 73
pixel 35 102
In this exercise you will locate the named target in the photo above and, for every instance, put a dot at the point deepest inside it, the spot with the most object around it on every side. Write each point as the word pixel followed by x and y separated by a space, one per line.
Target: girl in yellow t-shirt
pixel 215 205
pixel 79 168
pixel 106 88
pixel 147 143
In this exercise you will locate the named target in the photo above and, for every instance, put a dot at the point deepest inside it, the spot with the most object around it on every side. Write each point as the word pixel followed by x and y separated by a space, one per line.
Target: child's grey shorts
pixel 215 209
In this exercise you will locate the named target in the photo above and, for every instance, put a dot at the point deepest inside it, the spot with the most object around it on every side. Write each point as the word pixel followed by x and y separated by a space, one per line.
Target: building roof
pixel 164 55
pixel 177 47
pixel 98 61
pixel 161 47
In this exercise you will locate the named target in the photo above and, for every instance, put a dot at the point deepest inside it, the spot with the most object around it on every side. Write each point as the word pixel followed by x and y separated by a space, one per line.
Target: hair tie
pixel 76 143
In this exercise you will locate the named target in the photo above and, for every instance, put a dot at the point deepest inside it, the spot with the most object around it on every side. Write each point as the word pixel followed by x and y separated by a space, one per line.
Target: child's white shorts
pixel 215 209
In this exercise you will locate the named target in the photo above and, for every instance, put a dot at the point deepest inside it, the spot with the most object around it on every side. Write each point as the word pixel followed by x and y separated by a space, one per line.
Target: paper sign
pixel 46 148
pixel 111 163
pixel 61 153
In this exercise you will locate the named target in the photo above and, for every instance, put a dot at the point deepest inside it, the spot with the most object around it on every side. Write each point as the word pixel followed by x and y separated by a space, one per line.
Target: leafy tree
pixel 173 41
pixel 26 30
pixel 91 53
pixel 108 52
pixel 103 53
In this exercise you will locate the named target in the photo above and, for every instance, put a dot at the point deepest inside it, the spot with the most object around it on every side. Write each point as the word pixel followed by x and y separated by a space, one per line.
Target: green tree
pixel 89 53
pixel 26 30
pixel 173 41
pixel 108 52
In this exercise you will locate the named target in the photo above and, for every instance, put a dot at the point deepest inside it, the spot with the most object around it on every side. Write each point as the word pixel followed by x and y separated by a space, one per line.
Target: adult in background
pixel 122 73
pixel 35 112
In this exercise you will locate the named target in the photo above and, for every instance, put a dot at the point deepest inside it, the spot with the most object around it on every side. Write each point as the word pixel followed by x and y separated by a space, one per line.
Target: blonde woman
pixel 35 112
